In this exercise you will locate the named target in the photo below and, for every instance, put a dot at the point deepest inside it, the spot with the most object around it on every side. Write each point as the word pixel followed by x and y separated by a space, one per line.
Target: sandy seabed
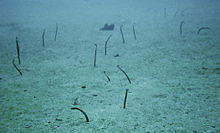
pixel 175 79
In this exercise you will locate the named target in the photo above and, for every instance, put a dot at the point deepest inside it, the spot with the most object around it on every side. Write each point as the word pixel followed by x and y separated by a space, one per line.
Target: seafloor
pixel 175 79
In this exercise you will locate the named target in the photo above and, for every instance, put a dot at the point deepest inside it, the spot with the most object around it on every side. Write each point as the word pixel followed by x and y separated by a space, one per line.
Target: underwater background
pixel 168 66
